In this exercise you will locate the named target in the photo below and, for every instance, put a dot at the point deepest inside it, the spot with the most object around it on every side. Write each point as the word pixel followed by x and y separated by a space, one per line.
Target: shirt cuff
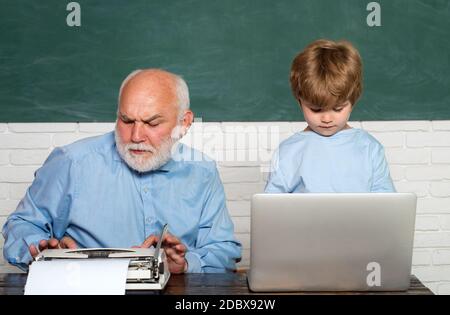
pixel 194 262
pixel 30 240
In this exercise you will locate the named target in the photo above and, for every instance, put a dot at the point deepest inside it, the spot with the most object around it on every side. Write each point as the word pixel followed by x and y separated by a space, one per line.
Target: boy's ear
pixel 351 106
pixel 300 104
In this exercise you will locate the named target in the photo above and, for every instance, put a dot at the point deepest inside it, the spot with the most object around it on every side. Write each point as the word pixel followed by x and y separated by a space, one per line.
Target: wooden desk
pixel 201 284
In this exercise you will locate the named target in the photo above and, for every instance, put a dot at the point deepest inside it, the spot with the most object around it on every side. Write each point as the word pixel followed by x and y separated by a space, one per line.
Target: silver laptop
pixel 331 242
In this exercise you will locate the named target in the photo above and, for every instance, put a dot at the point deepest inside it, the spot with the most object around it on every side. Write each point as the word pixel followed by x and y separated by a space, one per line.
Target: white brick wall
pixel 418 153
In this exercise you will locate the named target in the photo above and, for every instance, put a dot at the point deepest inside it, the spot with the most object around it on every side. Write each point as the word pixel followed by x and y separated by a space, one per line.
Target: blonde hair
pixel 327 74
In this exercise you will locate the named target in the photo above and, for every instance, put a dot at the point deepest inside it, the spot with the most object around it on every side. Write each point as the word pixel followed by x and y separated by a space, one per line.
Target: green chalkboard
pixel 234 54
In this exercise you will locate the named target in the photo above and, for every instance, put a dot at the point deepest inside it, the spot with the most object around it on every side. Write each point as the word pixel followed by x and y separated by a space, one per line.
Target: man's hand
pixel 174 249
pixel 65 242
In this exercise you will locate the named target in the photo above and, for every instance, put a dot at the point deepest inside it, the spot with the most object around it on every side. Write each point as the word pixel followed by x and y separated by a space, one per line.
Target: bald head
pixel 157 83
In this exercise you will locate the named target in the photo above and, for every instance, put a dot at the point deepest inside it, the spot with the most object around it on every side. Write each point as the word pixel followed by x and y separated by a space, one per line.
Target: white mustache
pixel 140 147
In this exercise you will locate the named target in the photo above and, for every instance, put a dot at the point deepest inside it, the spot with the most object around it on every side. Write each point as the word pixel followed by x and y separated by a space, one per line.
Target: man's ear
pixel 181 129
pixel 187 120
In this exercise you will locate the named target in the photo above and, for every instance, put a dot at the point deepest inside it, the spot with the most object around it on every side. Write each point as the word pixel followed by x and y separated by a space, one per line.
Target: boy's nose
pixel 326 119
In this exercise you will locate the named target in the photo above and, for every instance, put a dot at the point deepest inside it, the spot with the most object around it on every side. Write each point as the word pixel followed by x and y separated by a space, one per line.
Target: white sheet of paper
pixel 77 276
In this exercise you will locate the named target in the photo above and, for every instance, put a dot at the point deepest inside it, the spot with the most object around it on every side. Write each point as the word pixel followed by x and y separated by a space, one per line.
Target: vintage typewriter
pixel 147 270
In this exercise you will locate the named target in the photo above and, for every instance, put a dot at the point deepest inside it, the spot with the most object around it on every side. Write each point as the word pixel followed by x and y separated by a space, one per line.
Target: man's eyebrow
pixel 152 118
pixel 125 117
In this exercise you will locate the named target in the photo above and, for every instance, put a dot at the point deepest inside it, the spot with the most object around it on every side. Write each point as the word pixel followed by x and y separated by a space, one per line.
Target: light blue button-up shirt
pixel 86 191
pixel 349 161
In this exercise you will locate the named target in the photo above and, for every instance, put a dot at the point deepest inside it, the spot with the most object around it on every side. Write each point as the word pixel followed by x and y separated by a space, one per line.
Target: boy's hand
pixel 53 243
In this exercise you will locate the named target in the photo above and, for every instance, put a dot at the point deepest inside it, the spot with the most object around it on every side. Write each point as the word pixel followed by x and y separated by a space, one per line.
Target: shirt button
pixel 149 220
pixel 145 189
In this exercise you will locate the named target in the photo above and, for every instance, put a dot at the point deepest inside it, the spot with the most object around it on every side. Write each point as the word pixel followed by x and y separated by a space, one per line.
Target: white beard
pixel 142 164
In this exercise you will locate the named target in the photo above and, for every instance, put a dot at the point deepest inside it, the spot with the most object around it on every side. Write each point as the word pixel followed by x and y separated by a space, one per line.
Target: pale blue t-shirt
pixel 350 161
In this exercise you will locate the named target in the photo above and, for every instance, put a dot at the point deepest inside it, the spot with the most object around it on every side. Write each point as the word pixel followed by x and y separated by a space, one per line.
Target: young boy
pixel 329 155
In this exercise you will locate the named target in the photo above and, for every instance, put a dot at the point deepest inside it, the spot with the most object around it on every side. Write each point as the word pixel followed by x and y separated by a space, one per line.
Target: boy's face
pixel 326 122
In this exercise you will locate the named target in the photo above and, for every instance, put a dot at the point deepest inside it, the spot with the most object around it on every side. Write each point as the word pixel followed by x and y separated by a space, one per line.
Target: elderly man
pixel 119 189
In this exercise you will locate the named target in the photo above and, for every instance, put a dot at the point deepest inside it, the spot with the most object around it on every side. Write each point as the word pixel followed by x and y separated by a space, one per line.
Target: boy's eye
pixel 337 109
pixel 316 110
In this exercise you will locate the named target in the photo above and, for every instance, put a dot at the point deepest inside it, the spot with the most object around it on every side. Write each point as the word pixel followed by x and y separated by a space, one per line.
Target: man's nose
pixel 137 134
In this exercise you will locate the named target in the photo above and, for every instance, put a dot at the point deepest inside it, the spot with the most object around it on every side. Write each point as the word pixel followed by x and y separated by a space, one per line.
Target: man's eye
pixel 125 121
pixel 153 124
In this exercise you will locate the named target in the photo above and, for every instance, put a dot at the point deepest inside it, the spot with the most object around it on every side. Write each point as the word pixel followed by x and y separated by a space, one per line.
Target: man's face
pixel 326 122
pixel 146 118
